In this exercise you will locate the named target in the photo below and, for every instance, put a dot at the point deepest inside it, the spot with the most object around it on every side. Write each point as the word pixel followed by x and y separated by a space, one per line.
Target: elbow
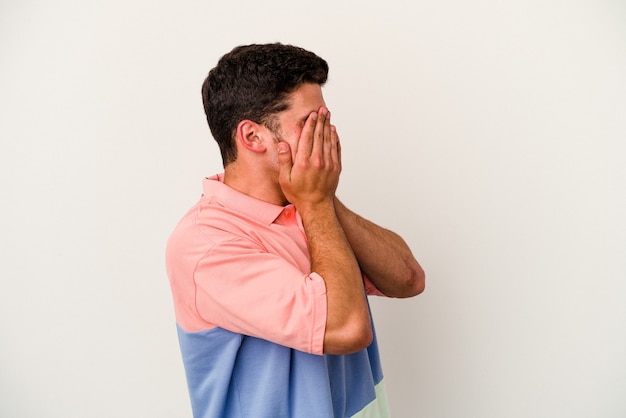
pixel 415 282
pixel 419 280
pixel 362 337
pixel 357 339
pixel 349 339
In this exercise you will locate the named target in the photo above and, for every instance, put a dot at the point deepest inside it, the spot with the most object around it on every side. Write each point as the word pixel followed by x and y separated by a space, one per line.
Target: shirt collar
pixel 264 212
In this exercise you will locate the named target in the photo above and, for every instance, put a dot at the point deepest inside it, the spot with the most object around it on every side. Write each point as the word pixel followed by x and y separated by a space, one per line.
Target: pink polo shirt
pixel 242 264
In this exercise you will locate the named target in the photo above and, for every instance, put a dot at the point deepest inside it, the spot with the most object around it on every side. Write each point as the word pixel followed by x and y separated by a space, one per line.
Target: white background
pixel 490 134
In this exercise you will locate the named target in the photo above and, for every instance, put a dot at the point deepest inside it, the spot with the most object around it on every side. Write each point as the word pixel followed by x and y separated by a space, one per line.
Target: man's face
pixel 305 99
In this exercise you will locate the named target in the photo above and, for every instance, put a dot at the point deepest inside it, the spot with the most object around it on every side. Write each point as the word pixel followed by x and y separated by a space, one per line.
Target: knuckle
pixel 317 162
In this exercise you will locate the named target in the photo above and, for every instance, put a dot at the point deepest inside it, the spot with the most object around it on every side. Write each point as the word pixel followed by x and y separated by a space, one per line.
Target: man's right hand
pixel 312 176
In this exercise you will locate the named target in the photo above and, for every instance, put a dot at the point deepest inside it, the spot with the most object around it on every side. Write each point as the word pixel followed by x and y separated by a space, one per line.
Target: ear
pixel 250 135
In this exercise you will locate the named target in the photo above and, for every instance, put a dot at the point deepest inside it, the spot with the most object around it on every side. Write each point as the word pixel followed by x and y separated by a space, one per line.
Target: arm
pixel 383 255
pixel 309 182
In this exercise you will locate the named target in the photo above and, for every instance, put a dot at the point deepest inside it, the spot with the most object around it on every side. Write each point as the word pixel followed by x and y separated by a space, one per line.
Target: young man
pixel 269 270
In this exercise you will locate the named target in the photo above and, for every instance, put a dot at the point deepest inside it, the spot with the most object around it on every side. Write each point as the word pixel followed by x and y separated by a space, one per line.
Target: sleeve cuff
pixel 370 289
pixel 319 315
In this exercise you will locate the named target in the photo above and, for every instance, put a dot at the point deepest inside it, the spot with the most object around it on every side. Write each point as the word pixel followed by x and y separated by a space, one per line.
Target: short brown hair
pixel 253 82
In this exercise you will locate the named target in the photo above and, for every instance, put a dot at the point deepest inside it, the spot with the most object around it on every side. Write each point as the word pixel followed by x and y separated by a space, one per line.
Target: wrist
pixel 317 208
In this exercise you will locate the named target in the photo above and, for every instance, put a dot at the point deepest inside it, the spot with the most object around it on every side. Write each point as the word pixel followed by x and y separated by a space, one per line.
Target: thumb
pixel 284 160
pixel 284 154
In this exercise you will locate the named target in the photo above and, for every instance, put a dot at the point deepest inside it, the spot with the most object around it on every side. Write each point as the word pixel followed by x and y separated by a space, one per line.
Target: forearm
pixel 309 181
pixel 383 255
pixel 348 325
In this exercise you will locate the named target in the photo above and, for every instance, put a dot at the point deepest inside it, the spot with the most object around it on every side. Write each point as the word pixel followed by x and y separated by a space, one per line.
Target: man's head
pixel 253 82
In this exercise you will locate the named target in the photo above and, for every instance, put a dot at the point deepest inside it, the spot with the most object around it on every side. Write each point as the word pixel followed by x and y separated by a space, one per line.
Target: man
pixel 269 270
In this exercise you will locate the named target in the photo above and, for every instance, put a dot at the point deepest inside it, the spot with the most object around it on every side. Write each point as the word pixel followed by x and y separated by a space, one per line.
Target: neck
pixel 259 185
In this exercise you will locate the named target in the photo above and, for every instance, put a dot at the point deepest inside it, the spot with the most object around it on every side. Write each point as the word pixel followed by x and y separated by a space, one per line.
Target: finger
pixel 305 142
pixel 284 162
pixel 328 140
pixel 335 148
pixel 339 153
pixel 318 137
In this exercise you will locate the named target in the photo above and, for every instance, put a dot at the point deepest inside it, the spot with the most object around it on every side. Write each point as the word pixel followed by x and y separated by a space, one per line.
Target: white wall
pixel 490 134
